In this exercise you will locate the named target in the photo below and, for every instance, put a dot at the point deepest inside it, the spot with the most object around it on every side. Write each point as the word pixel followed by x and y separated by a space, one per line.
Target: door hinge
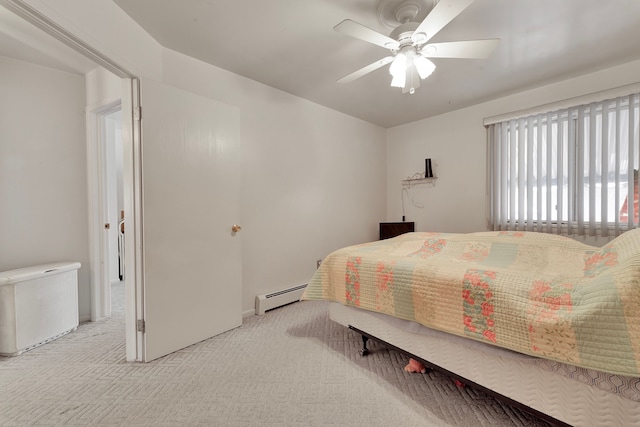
pixel 137 114
pixel 141 326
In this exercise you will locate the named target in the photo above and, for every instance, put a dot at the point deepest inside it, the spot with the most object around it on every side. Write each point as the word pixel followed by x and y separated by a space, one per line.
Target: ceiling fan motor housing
pixel 403 33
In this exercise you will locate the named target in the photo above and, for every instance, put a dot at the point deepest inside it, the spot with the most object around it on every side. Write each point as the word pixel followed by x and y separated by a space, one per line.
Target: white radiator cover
pixel 277 299
pixel 37 305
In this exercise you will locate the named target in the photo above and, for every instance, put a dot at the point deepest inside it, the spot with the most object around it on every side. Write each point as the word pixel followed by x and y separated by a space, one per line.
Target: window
pixel 568 171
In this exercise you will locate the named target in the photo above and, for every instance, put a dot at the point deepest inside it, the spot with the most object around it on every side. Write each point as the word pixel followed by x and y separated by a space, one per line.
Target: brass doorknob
pixel 235 228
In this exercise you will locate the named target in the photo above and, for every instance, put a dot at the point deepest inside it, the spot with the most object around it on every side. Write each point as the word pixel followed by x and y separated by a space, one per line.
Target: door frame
pixel 131 168
pixel 133 216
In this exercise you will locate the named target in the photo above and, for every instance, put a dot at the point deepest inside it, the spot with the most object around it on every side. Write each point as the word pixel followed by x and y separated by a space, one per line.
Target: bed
pixel 540 320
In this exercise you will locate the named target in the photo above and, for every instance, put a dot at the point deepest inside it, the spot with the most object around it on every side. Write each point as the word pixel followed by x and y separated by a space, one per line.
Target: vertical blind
pixel 570 171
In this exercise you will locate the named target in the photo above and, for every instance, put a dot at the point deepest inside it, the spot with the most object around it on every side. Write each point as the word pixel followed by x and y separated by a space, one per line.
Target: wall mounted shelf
pixel 415 182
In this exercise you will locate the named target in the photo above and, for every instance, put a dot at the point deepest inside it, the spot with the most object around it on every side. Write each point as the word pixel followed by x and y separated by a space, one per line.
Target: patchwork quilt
pixel 540 294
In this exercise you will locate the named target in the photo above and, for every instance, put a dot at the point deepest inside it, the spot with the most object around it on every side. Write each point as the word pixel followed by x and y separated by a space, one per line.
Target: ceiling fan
pixel 409 45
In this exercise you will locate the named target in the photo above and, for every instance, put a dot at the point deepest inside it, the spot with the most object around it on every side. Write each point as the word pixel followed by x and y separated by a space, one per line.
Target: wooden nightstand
pixel 393 229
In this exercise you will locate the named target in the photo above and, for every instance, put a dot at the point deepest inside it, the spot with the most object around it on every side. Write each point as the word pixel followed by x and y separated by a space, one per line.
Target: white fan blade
pixel 365 70
pixel 443 13
pixel 359 31
pixel 471 49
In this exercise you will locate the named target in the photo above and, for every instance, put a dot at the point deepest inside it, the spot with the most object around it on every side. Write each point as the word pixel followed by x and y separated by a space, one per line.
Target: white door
pixel 191 272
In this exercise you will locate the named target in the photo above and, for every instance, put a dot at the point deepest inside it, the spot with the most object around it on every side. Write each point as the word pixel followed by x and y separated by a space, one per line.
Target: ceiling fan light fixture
pixel 404 68
pixel 399 65
pixel 423 66
pixel 399 80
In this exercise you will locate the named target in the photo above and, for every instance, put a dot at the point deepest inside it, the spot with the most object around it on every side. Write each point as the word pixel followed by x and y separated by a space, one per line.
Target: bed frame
pixel 512 377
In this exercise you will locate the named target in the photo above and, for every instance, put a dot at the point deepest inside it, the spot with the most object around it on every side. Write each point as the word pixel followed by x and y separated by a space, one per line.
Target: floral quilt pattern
pixel 544 295
pixel 352 282
pixel 478 305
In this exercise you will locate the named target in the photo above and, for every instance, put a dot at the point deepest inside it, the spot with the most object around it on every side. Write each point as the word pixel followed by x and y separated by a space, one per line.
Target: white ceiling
pixel 291 45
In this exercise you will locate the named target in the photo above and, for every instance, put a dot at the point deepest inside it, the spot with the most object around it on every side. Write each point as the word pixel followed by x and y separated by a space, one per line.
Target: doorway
pixel 183 281
pixel 106 199
pixel 110 140
pixel 108 89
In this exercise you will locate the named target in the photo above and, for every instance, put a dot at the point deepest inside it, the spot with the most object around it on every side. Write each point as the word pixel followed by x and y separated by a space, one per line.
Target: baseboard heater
pixel 277 299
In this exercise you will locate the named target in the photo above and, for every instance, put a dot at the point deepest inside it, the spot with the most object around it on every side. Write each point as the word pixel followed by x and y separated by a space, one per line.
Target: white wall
pixel 313 179
pixel 103 88
pixel 456 142
pixel 43 181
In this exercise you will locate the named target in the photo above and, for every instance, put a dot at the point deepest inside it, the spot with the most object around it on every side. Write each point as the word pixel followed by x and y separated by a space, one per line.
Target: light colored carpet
pixel 290 367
